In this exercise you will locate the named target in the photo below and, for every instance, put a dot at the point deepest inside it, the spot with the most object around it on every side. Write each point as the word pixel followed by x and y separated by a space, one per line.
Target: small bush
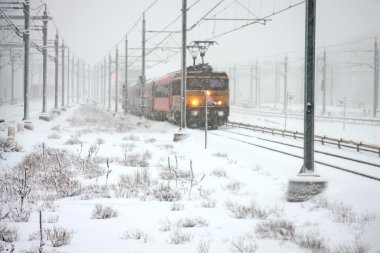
pixel 73 141
pixel 151 140
pixel 219 173
pixel 177 206
pixel 8 234
pixel 165 193
pixel 54 136
pixel 357 247
pixel 192 222
pixel 59 236
pixel 311 241
pixel 6 247
pixel 234 186
pixel 203 246
pixel 243 244
pixel 179 237
pixel 251 211
pixel 221 155
pixel 136 235
pixel 101 212
pixel 208 203
pixel 276 229
pixel 164 225
pixel 131 137
pixel 138 159
pixel 17 215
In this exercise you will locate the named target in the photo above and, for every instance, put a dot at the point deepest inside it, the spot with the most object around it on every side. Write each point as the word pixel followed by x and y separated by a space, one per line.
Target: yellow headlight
pixel 194 102
pixel 219 103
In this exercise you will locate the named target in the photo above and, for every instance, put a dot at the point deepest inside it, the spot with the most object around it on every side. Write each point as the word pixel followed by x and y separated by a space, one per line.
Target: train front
pixel 206 86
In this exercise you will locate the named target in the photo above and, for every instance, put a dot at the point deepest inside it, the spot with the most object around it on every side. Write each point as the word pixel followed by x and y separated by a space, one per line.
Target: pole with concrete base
pixel 44 115
pixel 307 183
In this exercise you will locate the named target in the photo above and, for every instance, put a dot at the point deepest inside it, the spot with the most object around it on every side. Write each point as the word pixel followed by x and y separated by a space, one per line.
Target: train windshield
pixel 205 83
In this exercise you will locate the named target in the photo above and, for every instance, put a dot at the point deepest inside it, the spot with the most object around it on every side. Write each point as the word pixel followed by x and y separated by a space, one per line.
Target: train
pixel 163 97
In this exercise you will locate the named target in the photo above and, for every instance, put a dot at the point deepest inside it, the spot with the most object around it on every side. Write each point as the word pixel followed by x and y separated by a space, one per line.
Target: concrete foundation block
pixel 28 125
pixel 44 116
pixel 20 127
pixel 304 186
pixel 179 136
pixel 11 134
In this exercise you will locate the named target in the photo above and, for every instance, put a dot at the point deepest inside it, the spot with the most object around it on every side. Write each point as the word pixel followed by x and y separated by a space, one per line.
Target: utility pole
pixel 285 81
pixel 83 81
pixel 56 73
pixel 331 85
pixel 125 95
pixel 73 78
pixel 89 82
pixel 251 83
pixel 68 76
pixel 183 77
pixel 63 76
pixel 109 81
pixel 104 81
pixel 376 79
pixel 308 165
pixel 116 77
pixel 257 86
pixel 12 78
pixel 78 73
pixel 276 86
pixel 143 69
pixel 26 10
pixel 235 91
pixel 324 83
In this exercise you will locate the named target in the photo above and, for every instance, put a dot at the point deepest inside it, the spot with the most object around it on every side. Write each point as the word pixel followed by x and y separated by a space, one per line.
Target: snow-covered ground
pixel 237 201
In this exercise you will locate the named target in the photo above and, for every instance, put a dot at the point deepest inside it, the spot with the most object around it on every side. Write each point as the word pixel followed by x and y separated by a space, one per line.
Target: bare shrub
pixel 164 225
pixel 165 193
pixel 151 140
pixel 8 146
pixel 8 234
pixel 276 229
pixel 357 247
pixel 50 219
pixel 6 247
pixel 138 159
pixel 203 246
pixel 251 211
pixel 220 155
pixel 131 137
pixel 192 222
pixel 219 173
pixel 311 241
pixel 137 234
pixel 132 185
pixel 54 136
pixel 177 206
pixel 179 237
pixel 243 244
pixel 234 186
pixel 100 212
pixel 73 141
pixel 59 236
pixel 208 202
pixel 166 146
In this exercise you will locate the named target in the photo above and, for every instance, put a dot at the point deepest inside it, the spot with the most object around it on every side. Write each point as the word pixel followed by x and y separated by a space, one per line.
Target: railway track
pixel 335 160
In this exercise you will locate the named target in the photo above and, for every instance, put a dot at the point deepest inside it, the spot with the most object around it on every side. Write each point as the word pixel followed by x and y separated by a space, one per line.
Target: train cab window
pixel 176 87
pixel 161 91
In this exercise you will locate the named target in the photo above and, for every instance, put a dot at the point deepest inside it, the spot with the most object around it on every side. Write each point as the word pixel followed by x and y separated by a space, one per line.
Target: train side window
pixel 176 88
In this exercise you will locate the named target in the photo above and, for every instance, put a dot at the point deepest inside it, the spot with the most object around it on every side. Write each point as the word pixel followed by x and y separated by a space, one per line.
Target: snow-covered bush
pixel 176 206
pixel 131 137
pixel 150 140
pixel 54 136
pixel 312 241
pixel 137 159
pixel 203 246
pixel 357 247
pixel 136 234
pixel 251 211
pixel 234 186
pixel 192 222
pixel 8 234
pixel 179 237
pixel 219 172
pixel 134 184
pixel 19 215
pixel 58 236
pixel 164 225
pixel 243 244
pixel 165 193
pixel 220 155
pixel 101 212
pixel 8 146
pixel 276 229
pixel 6 247
pixel 73 141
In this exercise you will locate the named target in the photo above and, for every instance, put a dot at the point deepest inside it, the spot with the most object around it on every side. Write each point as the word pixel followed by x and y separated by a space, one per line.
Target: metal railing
pixel 358 146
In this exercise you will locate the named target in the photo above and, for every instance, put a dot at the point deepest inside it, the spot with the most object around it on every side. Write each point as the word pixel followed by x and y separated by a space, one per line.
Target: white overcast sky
pixel 91 27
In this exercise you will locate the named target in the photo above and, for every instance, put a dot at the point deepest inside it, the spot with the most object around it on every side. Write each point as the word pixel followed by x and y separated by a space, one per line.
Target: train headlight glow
pixel 220 113
pixel 194 102
pixel 219 103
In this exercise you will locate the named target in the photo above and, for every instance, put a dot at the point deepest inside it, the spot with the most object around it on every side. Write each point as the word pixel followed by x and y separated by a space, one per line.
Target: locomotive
pixel 163 97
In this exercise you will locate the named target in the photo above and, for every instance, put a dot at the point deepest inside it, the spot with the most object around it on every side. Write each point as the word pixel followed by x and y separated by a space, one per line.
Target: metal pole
pixel 376 80
pixel 109 81
pixel 63 74
pixel 206 123
pixel 251 83
pixel 68 76
pixel 12 78
pixel 116 78
pixel 276 86
pixel 104 81
pixel 285 80
pixel 143 68
pixel 257 85
pixel 344 112
pixel 286 109
pixel 56 72
pixel 235 91
pixel 78 73
pixel 324 83
pixel 26 9
pixel 183 78
pixel 125 95
pixel 89 82
pixel 83 81
pixel 308 165
pixel 72 78
pixel 331 85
